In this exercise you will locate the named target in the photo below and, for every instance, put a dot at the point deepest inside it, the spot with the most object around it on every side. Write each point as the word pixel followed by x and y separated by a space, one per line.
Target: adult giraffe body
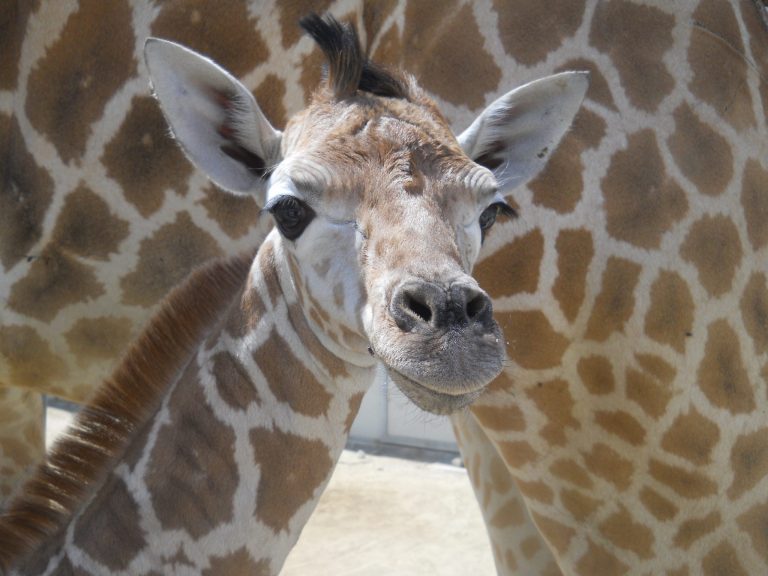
pixel 631 415
pixel 208 449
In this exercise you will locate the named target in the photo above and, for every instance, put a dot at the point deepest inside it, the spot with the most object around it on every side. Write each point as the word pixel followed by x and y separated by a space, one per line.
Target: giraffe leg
pixel 518 548
pixel 22 436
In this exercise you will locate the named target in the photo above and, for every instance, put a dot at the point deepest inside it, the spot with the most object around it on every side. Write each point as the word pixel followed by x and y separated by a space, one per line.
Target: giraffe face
pixel 380 208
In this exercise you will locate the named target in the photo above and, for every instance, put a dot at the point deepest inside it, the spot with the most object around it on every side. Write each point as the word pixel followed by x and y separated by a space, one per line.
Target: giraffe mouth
pixel 440 403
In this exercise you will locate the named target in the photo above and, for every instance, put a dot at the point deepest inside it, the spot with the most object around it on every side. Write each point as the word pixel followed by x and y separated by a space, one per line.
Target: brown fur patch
pixel 755 523
pixel 575 250
pixel 29 358
pixel 70 87
pixel 598 560
pixel 691 485
pixel 144 159
pixel 165 259
pixel 87 227
pixel 55 280
pixel 650 393
pixel 26 191
pixel 500 417
pixel 713 246
pixel 754 200
pixel 692 530
pixel 578 505
pixel 557 535
pixel 754 311
pixel 514 268
pixel 103 338
pixel 233 383
pixel 596 374
pixel 616 301
pixel 605 462
pixel 573 472
pixel 636 39
pixel 354 407
pixel 692 436
pixel 239 563
pixel 121 406
pixel 622 425
pixel 670 316
pixel 532 342
pixel 13 27
pixel 290 13
pixel 624 532
pixel 235 214
pixel 510 514
pixel 599 90
pixel 270 94
pixel 292 468
pixel 749 461
pixel 661 508
pixel 723 559
pixel 555 401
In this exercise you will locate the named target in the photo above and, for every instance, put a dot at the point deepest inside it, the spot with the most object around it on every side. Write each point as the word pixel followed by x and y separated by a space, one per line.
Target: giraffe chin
pixel 429 400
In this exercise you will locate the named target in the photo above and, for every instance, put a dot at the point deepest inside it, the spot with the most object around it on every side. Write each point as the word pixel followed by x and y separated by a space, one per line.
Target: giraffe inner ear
pixel 215 119
pixel 514 136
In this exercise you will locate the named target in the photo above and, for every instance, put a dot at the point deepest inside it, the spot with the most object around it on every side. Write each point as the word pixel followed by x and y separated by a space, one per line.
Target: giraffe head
pixel 379 208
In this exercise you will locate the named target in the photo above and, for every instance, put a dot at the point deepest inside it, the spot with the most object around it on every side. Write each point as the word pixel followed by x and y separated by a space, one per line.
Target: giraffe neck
pixel 230 466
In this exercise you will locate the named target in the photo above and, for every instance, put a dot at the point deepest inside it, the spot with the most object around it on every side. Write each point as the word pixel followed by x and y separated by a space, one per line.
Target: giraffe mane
pixel 121 406
pixel 349 70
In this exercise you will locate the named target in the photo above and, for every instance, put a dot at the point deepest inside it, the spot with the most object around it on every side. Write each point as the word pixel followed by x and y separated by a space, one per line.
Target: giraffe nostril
pixel 477 306
pixel 418 307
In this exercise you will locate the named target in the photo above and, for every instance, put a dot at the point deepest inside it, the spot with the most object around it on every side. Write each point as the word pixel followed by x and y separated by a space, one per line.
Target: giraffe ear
pixel 215 119
pixel 515 135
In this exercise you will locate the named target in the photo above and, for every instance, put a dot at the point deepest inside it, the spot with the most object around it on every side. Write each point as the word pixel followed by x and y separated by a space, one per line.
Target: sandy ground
pixel 384 516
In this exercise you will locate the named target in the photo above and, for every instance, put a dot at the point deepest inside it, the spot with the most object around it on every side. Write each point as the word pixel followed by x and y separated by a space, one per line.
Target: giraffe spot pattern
pixel 87 227
pixel 270 94
pixel 573 472
pixel 754 311
pixel 292 468
pixel 755 22
pixel 650 387
pixel 692 530
pixel 510 514
pixel 109 529
pixel 517 453
pixel 596 374
pixel 621 424
pixel 723 559
pixel 531 30
pixel 692 436
pixel 692 485
pixel 701 153
pixel 598 560
pixel 578 505
pixel 554 400
pixel 599 90
pixel 54 281
pixel 616 301
pixel 232 382
pixel 754 200
pixel 623 531
pixel 144 159
pixel 238 563
pixel 102 338
pixel 13 25
pixel 642 201
pixel 532 342
pixel 28 356
pixel 69 88
pixel 513 269
pixel 536 490
pixel 556 534
pixel 659 506
pixel 26 191
pixel 235 214
pixel 354 407
pixel 721 375
pixel 289 14
pixel 749 462
pixel 755 523
pixel 713 247
pixel 225 31
pixel 720 69
pixel 609 465
pixel 165 259
pixel 499 417
pixel 670 315
pixel 636 39
pixel 194 458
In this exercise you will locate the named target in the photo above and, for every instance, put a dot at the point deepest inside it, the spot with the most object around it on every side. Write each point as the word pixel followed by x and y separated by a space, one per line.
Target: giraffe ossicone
pixel 212 442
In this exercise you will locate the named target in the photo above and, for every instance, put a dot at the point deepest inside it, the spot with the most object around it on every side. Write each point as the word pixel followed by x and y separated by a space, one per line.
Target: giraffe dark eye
pixel 489 215
pixel 291 215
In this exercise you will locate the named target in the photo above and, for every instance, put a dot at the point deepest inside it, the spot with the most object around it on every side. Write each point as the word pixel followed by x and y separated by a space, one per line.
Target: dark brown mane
pixel 122 404
pixel 349 70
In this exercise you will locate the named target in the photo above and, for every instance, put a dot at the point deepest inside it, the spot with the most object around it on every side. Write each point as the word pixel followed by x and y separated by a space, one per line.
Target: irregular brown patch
pixel 291 12
pixel 754 311
pixel 700 152
pixel 289 380
pixel 165 259
pixel 722 375
pixel 687 484
pixel 575 250
pixel 13 27
pixel 250 311
pixel 235 214
pixel 557 535
pixel 651 388
pixel 579 506
pixel 692 436
pixel 54 281
pixel 510 514
pixel 642 201
pixel 374 16
pixel 25 193
pixel 113 516
pixel 501 481
pixel 596 374
pixel 270 95
pixel 311 72
pixel 636 39
pixel 713 247
pixel 500 417
pixel 720 68
pixel 514 268
pixel 532 342
pixel 754 200
pixel 390 50
pixel 621 424
pixel 605 462
pixel 573 472
pixel 239 563
pixel 193 461
pixel 531 30
pixel 334 365
pixel 670 316
pixel 354 407
pixel 144 159
pixel 598 560
pixel 723 560
pixel 536 490
pixel 444 50
pixel 517 454
pixel 225 31
pixel 622 531
pixel 749 462
pixel 70 87
pixel 292 469
pixel 87 227
pixel 616 300
pixel 560 185
pixel 103 338
pixel 599 90
pixel 755 523
pixel 555 401
pixel 531 546
pixel 692 530
pixel 233 383
pixel 656 504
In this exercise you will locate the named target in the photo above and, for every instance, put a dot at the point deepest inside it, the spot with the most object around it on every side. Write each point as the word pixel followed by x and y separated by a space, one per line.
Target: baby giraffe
pixel 208 449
